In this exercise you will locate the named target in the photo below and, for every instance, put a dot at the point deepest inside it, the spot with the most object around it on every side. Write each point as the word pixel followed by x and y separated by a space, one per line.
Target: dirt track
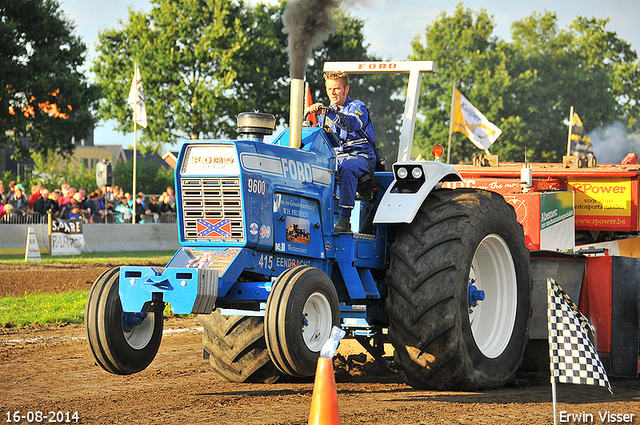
pixel 51 369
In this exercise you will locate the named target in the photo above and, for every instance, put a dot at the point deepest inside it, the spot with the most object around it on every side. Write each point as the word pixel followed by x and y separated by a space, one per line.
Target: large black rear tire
pixel 237 349
pixel 122 343
pixel 441 342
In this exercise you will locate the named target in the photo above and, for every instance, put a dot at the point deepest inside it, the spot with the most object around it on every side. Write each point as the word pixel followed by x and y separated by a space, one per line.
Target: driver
pixel 356 155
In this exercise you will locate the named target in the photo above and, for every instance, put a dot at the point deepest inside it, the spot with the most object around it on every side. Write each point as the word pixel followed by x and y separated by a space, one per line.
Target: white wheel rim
pixel 317 321
pixel 493 319
pixel 141 334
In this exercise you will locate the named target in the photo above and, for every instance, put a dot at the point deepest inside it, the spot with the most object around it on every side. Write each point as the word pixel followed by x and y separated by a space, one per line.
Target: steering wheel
pixel 343 120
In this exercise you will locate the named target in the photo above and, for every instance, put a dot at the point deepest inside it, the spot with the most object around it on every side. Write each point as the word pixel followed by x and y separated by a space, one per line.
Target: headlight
pixel 409 178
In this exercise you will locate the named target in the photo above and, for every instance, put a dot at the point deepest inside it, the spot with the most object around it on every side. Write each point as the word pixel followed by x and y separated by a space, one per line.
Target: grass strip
pixel 48 309
pixel 124 258
pixel 43 309
pixel 66 307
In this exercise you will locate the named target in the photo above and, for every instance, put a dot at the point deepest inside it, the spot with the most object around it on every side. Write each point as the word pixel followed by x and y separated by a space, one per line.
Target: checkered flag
pixel 574 360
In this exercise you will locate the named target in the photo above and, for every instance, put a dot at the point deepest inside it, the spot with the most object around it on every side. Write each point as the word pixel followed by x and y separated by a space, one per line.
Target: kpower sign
pixel 602 201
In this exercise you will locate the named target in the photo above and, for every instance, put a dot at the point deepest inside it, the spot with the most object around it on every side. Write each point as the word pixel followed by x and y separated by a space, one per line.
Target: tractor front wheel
pixel 122 343
pixel 301 310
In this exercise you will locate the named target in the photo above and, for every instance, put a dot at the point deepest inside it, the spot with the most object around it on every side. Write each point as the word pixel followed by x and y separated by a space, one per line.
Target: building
pixel 89 156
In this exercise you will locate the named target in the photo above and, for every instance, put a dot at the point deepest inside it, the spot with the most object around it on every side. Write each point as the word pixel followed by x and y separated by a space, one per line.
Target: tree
pixel 43 94
pixel 379 92
pixel 52 169
pixel 526 87
pixel 613 63
pixel 584 66
pixel 202 62
pixel 152 178
pixel 469 57
pixel 205 61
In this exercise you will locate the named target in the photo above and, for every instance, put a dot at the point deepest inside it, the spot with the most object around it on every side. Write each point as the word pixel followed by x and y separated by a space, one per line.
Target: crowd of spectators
pixel 108 204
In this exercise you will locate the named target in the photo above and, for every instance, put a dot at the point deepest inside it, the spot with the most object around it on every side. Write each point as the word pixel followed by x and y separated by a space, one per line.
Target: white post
pixel 570 129
pixel 409 116
pixel 453 98
pixel 415 70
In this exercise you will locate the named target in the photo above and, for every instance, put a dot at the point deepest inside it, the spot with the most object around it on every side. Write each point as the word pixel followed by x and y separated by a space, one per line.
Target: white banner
pixel 136 98
pixel 66 237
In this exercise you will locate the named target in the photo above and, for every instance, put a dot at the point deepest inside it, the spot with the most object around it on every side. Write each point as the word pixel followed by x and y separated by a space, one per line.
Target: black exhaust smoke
pixel 308 23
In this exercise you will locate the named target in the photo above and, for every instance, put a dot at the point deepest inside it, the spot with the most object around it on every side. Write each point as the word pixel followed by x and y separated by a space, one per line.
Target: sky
pixel 390 25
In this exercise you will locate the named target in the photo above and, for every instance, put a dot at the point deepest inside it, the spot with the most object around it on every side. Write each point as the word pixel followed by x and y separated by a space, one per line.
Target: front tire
pixel 301 310
pixel 461 241
pixel 122 343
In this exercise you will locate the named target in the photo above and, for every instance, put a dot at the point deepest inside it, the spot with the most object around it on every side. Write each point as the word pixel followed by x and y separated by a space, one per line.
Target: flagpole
pixel 136 101
pixel 453 95
pixel 573 358
pixel 135 157
pixel 553 395
pixel 570 128
pixel 135 142
pixel 552 334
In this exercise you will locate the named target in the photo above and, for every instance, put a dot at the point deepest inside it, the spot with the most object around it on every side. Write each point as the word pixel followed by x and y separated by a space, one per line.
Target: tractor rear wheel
pixel 237 349
pixel 462 242
pixel 122 343
pixel 301 310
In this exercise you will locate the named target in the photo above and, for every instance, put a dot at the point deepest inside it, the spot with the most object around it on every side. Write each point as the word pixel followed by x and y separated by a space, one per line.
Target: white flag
pixel 472 123
pixel 136 99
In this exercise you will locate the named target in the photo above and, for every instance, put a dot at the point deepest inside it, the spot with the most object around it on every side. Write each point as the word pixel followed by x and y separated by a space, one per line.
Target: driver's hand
pixel 313 109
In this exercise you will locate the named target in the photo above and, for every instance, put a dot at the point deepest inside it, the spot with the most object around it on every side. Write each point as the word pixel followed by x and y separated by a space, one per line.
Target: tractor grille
pixel 215 199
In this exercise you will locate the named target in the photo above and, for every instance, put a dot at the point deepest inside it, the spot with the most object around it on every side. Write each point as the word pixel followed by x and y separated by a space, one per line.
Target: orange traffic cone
pixel 324 402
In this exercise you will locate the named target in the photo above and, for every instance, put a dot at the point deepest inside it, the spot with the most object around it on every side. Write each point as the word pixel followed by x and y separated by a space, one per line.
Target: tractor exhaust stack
pixel 296 112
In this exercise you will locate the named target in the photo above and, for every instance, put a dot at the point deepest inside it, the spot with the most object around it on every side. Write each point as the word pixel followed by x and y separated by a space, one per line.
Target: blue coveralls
pixel 356 156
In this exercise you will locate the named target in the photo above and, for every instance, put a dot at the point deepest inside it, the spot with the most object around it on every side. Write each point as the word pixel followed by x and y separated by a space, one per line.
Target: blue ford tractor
pixel 442 274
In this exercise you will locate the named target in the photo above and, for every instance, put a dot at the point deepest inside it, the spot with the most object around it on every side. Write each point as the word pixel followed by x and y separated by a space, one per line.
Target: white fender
pixel 397 207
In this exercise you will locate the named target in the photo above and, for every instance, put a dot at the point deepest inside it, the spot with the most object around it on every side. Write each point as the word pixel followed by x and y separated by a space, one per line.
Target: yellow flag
pixel 472 123
pixel 136 99
pixel 580 142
